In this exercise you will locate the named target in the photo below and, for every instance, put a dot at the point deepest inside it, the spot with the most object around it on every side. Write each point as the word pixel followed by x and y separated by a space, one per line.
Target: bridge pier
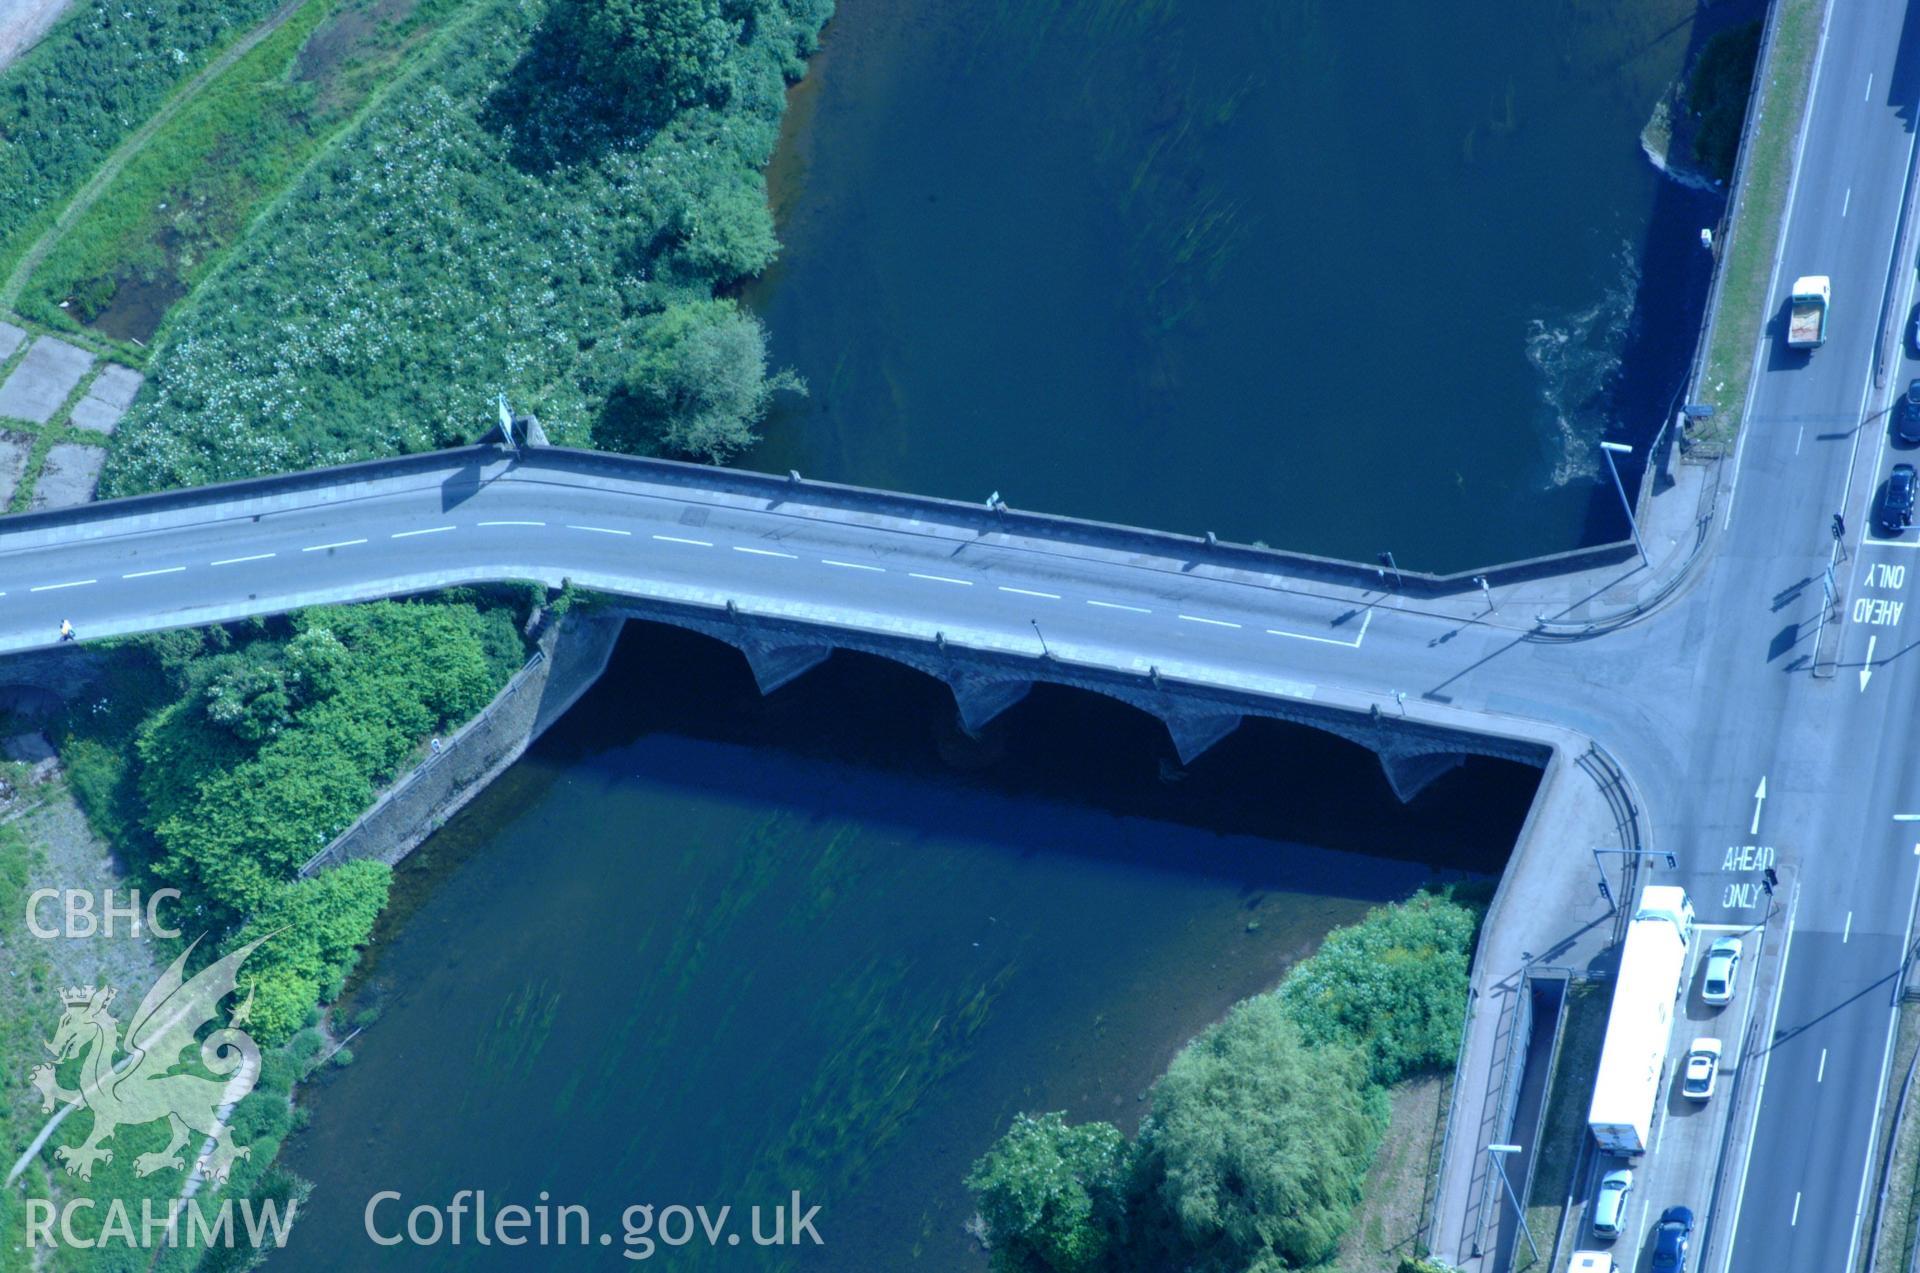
pixel 1410 774
pixel 775 664
pixel 1194 732
pixel 980 698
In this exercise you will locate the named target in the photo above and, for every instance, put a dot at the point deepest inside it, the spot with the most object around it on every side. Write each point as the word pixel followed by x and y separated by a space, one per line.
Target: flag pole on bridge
pixel 506 425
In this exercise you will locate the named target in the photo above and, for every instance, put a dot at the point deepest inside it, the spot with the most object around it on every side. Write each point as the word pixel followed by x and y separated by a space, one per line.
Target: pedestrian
pixel 66 629
pixel 436 746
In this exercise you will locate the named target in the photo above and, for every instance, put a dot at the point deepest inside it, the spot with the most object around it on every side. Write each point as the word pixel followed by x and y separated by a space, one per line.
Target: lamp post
pixel 1386 559
pixel 1621 448
pixel 1499 1153
pixel 1045 653
pixel 1486 591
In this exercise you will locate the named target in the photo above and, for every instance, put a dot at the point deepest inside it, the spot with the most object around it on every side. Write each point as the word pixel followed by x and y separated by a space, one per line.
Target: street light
pixel 1045 653
pixel 1486 591
pixel 1498 1154
pixel 1386 559
pixel 1612 448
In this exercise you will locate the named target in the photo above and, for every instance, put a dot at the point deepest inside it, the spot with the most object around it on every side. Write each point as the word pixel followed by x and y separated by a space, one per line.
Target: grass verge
pixel 1563 1137
pixel 1747 268
pixel 1386 1226
pixel 1903 1172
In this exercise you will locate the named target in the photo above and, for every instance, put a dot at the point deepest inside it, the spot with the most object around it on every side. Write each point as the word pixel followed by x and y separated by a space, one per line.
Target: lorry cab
pixel 1671 903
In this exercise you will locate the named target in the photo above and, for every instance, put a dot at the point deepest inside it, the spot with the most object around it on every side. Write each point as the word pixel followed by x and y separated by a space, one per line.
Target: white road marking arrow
pixel 1867 671
pixel 1759 798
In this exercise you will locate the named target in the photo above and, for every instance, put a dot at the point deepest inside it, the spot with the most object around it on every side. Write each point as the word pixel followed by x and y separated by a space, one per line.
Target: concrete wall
pixel 573 652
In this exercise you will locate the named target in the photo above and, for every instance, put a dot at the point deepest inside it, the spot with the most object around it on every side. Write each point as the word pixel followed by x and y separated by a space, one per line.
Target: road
pixel 1700 702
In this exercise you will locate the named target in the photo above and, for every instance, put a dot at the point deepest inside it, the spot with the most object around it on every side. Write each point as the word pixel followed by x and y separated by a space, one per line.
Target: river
pixel 1343 278
pixel 704 947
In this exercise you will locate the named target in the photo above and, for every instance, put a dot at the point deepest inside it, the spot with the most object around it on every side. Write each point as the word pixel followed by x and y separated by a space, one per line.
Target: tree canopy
pixel 1052 1194
pixel 698 384
pixel 656 56
pixel 1394 986
pixel 1261 1144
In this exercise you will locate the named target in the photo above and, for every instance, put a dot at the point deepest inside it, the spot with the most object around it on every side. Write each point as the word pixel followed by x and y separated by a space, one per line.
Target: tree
pixel 698 384
pixel 1394 986
pixel 1052 1194
pixel 1260 1144
pixel 322 922
pixel 656 56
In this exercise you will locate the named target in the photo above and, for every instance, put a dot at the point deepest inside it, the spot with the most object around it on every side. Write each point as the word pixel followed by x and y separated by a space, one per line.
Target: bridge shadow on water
pixel 856 713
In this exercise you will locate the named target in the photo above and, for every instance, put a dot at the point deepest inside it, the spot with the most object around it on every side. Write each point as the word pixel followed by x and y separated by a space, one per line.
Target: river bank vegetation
pixel 512 219
pixel 1259 1136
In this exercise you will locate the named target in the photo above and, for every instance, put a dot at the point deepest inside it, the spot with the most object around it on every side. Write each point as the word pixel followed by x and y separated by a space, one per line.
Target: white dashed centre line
pixel 145 574
pixel 409 534
pixel 964 583
pixel 763 552
pixel 852 565
pixel 1029 592
pixel 51 587
pixel 1848 930
pixel 1796 1208
pixel 601 530
pixel 320 548
pixel 1821 1077
pixel 234 561
pixel 1218 623
pixel 513 523
pixel 675 539
pixel 1115 605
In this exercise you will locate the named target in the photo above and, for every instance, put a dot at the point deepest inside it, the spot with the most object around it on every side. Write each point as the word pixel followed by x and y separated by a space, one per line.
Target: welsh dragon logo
pixel 147 1084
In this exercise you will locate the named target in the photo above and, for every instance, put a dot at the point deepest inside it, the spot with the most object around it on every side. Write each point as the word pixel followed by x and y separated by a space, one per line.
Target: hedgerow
pixel 98 74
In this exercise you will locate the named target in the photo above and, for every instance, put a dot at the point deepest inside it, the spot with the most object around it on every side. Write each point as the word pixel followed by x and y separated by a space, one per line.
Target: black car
pixel 1906 423
pixel 1670 1240
pixel 1896 510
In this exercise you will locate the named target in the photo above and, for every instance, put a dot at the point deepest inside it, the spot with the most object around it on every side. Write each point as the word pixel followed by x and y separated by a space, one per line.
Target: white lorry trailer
pixel 1653 967
pixel 1807 312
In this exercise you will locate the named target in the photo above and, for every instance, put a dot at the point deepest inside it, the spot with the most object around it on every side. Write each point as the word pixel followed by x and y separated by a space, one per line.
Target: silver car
pixel 1723 967
pixel 1610 1203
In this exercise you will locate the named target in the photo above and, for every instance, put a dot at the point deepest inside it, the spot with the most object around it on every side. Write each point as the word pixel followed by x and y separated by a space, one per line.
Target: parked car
pixel 1913 330
pixel 1906 417
pixel 1610 1204
pixel 1670 1240
pixel 1592 1262
pixel 1896 510
pixel 1702 1070
pixel 1723 966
